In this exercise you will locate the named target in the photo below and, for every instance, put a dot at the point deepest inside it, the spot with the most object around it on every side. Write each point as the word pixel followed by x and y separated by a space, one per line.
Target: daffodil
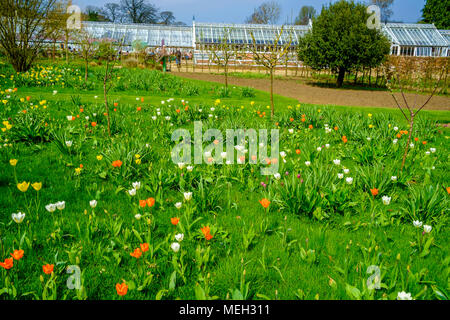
pixel 13 162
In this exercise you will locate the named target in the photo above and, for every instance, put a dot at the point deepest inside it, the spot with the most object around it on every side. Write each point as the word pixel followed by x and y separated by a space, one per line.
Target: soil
pixel 314 94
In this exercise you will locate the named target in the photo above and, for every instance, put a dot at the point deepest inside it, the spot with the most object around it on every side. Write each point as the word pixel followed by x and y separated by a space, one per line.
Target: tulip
pixel 121 289
pixel 394 178
pixel 188 196
pixel 50 207
pixel 374 191
pixel 427 228
pixel 337 162
pixel 136 185
pixel 178 205
pixel 144 247
pixel 277 176
pixel 60 205
pixel 307 163
pixel 13 162
pixel 265 203
pixel 18 217
pixel 132 192
pixel 137 253
pixel 174 221
pixel 179 237
pixel 17 254
pixel 175 246
pixel 23 186
pixel 48 268
pixel 68 144
pixel 93 203
pixel 349 180
pixel 340 175
pixel 7 264
pixel 417 223
pixel 386 200
pixel 404 296
pixel 37 186
pixel 150 202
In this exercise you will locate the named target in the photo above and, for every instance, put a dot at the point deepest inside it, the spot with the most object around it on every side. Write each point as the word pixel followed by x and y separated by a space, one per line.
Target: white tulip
pixel 283 154
pixel 178 205
pixel 93 203
pixel 190 168
pixel 307 163
pixel 291 130
pixel 417 223
pixel 327 145
pixel 386 200
pixel 132 192
pixel 18 217
pixel 337 162
pixel 433 150
pixel 188 196
pixel 427 228
pixel 349 180
pixel 277 176
pixel 138 216
pixel 319 149
pixel 136 185
pixel 50 207
pixel 394 178
pixel 179 237
pixel 69 143
pixel 60 205
pixel 394 141
pixel 175 246
pixel 340 175
pixel 346 171
pixel 404 296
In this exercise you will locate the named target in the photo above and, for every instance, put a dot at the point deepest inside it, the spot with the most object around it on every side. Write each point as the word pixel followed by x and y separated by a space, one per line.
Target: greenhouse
pixel 422 40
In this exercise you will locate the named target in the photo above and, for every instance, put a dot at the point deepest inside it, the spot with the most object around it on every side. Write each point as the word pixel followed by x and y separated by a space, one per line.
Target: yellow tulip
pixel 100 157
pixel 13 162
pixel 37 186
pixel 23 186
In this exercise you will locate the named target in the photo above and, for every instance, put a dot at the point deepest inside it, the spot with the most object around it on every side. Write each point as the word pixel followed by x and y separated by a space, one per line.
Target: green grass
pixel 316 240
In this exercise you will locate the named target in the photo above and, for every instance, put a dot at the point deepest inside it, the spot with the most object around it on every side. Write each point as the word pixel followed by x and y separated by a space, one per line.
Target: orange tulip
pixel 336 128
pixel 17 254
pixel 297 151
pixel 303 119
pixel 142 203
pixel 416 139
pixel 424 142
pixel 142 99
pixel 448 190
pixel 8 264
pixel 174 221
pixel 121 289
pixel 139 108
pixel 310 126
pixel 344 139
pixel 48 268
pixel 137 253
pixel 208 236
pixel 144 247
pixel 265 203
pixel 150 202
pixel 117 163
pixel 374 191
pixel 115 104
pixel 93 123
pixel 205 230
pixel 291 119
pixel 178 110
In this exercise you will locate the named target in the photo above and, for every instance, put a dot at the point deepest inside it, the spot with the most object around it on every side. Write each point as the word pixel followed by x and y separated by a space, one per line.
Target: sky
pixel 236 11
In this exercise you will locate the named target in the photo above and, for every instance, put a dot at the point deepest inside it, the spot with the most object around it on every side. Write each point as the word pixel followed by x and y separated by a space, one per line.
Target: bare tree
pixel 271 56
pixel 23 29
pixel 88 48
pixel 408 111
pixel 384 5
pixel 267 13
pixel 139 11
pixel 223 52
pixel 111 11
pixel 167 17
pixel 306 13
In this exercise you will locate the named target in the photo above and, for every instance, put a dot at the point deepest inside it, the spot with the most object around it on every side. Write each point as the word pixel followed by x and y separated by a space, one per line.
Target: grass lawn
pixel 335 223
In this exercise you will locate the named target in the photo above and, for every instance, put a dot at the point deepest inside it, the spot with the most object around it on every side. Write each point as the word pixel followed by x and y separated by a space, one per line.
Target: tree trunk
pixel 271 92
pixel 340 79
pixel 86 71
pixel 226 76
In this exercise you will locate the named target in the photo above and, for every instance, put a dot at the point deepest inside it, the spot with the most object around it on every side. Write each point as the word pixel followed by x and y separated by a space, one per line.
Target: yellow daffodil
pixel 99 157
pixel 13 162
pixel 370 115
pixel 77 170
pixel 138 161
pixel 37 186
pixel 23 186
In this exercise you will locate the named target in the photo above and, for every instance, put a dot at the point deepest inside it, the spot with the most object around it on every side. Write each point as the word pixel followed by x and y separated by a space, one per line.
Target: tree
pixel 93 13
pixel 266 13
pixel 88 48
pixel 306 13
pixel 24 26
pixel 384 5
pixel 111 11
pixel 271 56
pixel 139 11
pixel 57 23
pixel 223 52
pixel 437 12
pixel 167 17
pixel 341 41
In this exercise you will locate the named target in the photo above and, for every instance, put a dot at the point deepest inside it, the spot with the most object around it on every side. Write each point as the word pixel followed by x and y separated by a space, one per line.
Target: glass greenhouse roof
pixel 152 35
pixel 446 35
pixel 417 35
pixel 210 33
